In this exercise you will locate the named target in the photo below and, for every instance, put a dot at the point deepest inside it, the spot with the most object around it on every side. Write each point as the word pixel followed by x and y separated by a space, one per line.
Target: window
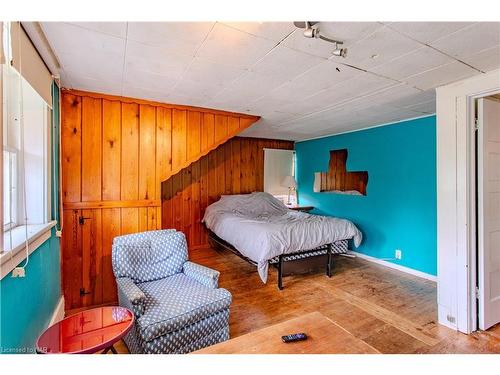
pixel 25 155
pixel 279 173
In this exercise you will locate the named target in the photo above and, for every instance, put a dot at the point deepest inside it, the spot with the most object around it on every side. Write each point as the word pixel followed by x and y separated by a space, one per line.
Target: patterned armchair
pixel 177 304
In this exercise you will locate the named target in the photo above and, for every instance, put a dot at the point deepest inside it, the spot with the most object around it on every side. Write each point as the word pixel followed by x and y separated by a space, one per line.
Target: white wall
pixel 454 196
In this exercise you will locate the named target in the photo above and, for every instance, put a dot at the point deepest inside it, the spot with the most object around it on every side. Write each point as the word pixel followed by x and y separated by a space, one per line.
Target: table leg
pixel 112 348
pixel 329 264
pixel 280 272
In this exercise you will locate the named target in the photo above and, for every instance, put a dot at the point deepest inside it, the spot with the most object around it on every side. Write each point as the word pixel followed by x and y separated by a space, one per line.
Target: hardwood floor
pixel 390 310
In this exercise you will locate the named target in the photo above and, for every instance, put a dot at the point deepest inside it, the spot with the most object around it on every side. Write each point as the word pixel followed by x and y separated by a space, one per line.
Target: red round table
pixel 87 332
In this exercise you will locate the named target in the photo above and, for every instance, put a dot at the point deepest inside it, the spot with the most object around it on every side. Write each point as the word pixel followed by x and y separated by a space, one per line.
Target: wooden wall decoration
pixel 236 167
pixel 115 154
pixel 338 179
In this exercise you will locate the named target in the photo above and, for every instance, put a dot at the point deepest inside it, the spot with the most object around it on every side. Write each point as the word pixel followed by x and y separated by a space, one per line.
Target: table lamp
pixel 290 183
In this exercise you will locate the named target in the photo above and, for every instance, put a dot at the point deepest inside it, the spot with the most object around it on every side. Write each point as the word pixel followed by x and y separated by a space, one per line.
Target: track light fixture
pixel 341 52
pixel 311 30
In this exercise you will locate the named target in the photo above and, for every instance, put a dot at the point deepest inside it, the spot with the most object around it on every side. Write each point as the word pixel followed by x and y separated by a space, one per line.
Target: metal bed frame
pixel 339 247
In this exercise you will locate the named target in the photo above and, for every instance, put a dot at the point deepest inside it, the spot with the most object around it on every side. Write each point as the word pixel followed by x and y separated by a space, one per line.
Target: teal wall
pixel 27 304
pixel 399 210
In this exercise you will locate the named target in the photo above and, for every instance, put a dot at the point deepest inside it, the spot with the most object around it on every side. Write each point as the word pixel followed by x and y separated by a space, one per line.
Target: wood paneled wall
pixel 338 178
pixel 236 167
pixel 115 153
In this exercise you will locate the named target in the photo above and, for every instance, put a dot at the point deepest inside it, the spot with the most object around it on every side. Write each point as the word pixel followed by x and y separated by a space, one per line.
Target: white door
pixel 489 212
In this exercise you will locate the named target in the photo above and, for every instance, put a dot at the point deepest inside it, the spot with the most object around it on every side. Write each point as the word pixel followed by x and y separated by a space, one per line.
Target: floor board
pixel 392 311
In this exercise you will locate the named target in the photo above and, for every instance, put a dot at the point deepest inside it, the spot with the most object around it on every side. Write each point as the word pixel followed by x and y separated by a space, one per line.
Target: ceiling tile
pixel 285 62
pixel 485 60
pixel 441 76
pixel 96 85
pixel 203 70
pixel 275 31
pixel 378 48
pixel 316 79
pixel 195 89
pixel 179 37
pixel 426 107
pixel 305 106
pixel 397 115
pixel 65 80
pixel 277 117
pixel 336 115
pixel 295 86
pixel 268 103
pixel 175 98
pixel 104 66
pixel 420 97
pixel 144 93
pixel 149 81
pixel 347 32
pixel 118 29
pixel 471 40
pixel 428 32
pixel 252 84
pixel 97 56
pixel 67 38
pixel 345 91
pixel 229 46
pixel 412 63
pixel 262 129
pixel 156 59
pixel 228 99
pixel 388 96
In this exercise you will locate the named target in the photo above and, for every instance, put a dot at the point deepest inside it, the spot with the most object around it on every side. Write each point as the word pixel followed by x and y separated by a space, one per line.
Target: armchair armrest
pixel 130 296
pixel 202 274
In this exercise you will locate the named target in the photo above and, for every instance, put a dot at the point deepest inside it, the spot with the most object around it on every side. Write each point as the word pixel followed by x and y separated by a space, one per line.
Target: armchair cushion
pixel 146 258
pixel 130 295
pixel 202 274
pixel 176 302
pixel 141 236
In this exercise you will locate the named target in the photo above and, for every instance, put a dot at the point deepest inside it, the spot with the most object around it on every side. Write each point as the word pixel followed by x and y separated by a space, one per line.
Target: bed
pixel 262 230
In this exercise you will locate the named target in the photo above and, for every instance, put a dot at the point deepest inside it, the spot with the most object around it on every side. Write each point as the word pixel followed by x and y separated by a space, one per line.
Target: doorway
pixel 487 212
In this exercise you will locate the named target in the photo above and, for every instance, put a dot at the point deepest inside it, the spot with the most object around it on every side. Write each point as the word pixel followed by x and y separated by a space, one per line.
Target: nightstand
pixel 301 208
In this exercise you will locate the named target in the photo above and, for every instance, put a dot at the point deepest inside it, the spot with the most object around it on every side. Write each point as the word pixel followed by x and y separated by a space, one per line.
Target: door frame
pixel 456 198
pixel 473 209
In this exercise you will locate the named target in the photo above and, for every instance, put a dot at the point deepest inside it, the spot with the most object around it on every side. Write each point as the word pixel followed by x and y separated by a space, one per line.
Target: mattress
pixel 261 227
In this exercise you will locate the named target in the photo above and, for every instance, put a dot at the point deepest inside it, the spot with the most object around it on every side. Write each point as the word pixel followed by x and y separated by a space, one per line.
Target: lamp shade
pixel 289 182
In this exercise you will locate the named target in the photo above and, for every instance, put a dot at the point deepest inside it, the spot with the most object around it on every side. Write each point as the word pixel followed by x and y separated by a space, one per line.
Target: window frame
pixel 14 197
pixel 20 170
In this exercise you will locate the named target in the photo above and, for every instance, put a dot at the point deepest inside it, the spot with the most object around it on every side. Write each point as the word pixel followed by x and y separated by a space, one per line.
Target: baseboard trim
pixel 58 313
pixel 398 267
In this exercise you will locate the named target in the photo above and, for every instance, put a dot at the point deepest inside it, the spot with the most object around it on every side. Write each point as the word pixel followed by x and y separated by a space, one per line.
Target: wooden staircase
pixel 203 132
pixel 169 138
pixel 115 153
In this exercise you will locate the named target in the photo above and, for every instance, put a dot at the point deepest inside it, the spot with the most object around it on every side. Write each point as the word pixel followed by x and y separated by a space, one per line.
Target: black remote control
pixel 294 337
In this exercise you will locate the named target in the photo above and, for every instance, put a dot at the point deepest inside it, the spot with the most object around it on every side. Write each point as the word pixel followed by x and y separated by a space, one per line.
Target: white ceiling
pixel 270 69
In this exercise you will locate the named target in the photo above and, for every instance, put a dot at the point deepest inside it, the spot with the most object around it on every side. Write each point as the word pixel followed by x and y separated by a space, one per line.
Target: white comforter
pixel 261 227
